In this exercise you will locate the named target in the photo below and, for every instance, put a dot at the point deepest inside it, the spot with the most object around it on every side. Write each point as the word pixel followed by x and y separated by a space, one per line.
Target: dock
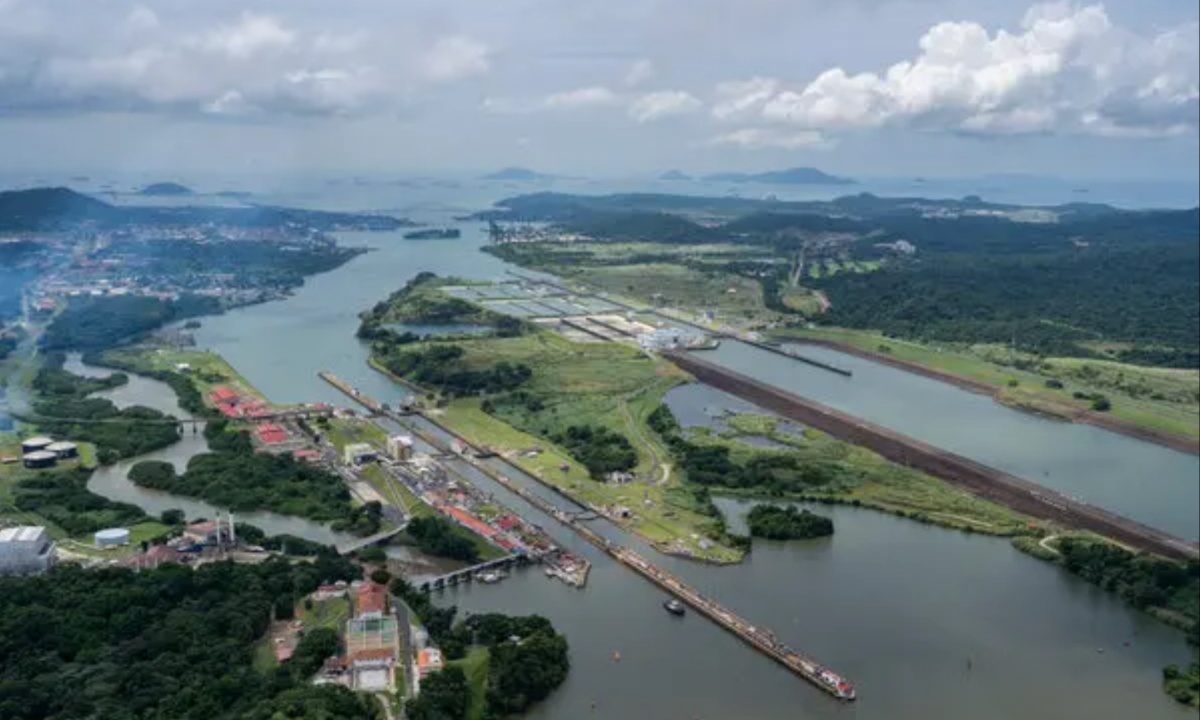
pixel 351 392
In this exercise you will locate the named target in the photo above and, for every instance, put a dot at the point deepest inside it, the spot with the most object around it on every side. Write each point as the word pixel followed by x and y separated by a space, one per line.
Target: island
pixel 434 234
pixel 675 176
pixel 791 176
pixel 520 174
pixel 165 189
pixel 774 522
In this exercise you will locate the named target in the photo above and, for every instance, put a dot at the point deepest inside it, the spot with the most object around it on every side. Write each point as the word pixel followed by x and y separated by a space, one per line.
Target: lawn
pixel 325 613
pixel 679 286
pixel 475 667
pixel 208 369
pixel 343 432
pixel 395 492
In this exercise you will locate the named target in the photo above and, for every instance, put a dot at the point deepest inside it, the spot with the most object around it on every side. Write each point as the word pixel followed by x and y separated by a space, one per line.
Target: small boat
pixel 674 607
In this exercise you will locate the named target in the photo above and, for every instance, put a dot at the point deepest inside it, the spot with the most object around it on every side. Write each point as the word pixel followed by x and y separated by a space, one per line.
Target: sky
pixel 602 87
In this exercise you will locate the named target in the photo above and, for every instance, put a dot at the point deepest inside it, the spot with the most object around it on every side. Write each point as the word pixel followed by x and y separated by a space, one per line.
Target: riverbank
pixel 1173 425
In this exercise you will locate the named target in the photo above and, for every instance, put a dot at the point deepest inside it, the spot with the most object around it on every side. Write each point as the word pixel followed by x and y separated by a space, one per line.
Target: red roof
pixel 469 521
pixel 373 654
pixel 223 393
pixel 307 454
pixel 372 597
pixel 270 433
pixel 508 522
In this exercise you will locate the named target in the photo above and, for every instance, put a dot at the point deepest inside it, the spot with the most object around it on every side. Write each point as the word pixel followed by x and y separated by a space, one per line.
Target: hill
pixel 791 176
pixel 48 208
pixel 518 173
pixel 165 189
pixel 675 176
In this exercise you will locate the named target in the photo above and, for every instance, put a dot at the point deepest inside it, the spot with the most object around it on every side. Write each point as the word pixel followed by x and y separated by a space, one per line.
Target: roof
pixel 223 393
pixel 39 440
pixel 373 654
pixel 27 533
pixel 208 526
pixel 372 597
pixel 470 521
pixel 429 656
pixel 270 433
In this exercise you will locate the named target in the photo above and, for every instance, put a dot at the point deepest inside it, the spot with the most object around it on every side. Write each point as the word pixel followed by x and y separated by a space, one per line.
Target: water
pixel 1149 483
pixel 896 606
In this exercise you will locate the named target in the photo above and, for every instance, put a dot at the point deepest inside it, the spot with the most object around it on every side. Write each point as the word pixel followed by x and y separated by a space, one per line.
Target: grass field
pixel 676 285
pixel 475 667
pixel 877 482
pixel 208 369
pixel 342 432
pixel 1156 398
pixel 325 613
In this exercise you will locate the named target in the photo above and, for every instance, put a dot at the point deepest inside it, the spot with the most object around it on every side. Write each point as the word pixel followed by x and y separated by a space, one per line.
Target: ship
pixel 839 685
pixel 674 607
pixel 434 234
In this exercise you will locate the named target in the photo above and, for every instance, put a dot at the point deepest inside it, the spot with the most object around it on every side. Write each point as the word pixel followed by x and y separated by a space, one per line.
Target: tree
pixel 173 517
pixel 380 576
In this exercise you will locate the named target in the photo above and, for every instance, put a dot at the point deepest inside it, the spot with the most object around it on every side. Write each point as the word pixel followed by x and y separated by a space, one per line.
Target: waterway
pixel 1149 483
pixel 896 606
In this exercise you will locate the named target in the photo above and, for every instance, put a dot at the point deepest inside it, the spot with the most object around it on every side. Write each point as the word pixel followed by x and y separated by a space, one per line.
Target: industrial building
pixel 668 338
pixel 64 449
pixel 400 447
pixel 112 537
pixel 35 444
pixel 39 459
pixel 359 453
pixel 25 550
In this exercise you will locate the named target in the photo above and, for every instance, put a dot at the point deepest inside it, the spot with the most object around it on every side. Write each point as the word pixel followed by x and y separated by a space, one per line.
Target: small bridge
pixel 468 574
pixel 359 544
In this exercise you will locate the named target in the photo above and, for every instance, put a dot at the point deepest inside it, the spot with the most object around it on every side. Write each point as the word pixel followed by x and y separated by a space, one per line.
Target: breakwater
pixel 986 482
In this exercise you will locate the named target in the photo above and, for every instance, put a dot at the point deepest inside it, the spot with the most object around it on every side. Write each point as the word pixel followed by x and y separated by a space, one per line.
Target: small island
pixel 518 173
pixel 434 234
pixel 165 189
pixel 675 176
pixel 791 176
pixel 773 522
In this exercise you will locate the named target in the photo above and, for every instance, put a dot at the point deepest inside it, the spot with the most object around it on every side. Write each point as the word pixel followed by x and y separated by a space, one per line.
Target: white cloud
pixel 593 96
pixel 759 138
pixel 455 57
pixel 639 72
pixel 663 103
pixel 251 35
pixel 1068 69
pixel 742 97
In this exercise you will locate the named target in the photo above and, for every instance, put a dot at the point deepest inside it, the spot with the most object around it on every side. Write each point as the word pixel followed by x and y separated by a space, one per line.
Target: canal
pixel 896 606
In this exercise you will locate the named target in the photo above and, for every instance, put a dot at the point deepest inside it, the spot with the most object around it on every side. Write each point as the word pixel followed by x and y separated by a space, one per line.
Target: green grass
pixel 677 286
pixel 208 369
pixel 1156 398
pixel 475 667
pixel 325 613
pixel 145 532
pixel 343 432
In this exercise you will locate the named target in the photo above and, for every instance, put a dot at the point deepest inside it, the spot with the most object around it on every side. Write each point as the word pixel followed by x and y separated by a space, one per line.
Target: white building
pixel 25 550
pixel 359 453
pixel 400 447
pixel 667 338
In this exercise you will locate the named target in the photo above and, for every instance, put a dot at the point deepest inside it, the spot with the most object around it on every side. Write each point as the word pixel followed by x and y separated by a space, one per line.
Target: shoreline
pixel 1085 417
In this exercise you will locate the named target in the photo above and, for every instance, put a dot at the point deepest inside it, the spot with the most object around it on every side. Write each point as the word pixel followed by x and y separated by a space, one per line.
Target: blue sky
pixel 605 87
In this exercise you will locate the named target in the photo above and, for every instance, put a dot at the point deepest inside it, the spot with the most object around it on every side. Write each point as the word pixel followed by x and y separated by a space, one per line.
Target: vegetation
pixel 601 450
pixel 774 522
pixel 235 476
pixel 436 536
pixel 61 497
pixel 441 367
pixel 113 643
pixel 421 302
pixel 96 323
pixel 186 393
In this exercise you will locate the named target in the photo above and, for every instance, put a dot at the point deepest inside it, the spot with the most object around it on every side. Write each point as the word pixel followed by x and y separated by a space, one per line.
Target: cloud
pixel 455 57
pixel 742 97
pixel 760 138
pixel 181 59
pixel 661 104
pixel 1068 69
pixel 593 96
pixel 639 72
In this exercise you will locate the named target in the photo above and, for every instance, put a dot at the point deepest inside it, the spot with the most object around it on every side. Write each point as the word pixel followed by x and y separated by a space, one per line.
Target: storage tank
pixel 63 449
pixel 40 459
pixel 112 537
pixel 34 444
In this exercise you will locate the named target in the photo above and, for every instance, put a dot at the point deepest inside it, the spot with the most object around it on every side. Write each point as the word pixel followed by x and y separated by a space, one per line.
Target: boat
pixel 434 234
pixel 674 607
pixel 840 687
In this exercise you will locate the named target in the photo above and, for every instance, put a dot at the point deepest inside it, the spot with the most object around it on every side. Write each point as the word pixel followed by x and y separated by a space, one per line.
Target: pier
pixel 352 392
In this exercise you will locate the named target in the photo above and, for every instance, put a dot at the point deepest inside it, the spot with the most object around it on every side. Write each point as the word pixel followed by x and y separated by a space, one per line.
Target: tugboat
pixel 674 607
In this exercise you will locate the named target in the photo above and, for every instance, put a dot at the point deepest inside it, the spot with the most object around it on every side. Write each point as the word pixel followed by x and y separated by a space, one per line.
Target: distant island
pixel 234 194
pixel 434 234
pixel 675 176
pixel 165 189
pixel 518 173
pixel 792 176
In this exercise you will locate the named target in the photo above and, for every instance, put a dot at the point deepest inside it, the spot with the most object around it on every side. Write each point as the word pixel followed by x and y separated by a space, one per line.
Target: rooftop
pixel 27 533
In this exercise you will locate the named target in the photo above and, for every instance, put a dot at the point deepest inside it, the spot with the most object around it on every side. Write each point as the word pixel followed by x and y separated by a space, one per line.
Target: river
pixel 896 606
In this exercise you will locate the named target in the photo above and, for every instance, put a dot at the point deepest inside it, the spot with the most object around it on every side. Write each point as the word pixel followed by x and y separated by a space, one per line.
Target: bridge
pixel 468 574
pixel 360 543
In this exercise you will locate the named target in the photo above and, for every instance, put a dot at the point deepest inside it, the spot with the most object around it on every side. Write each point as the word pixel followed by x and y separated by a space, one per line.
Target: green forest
pixel 170 642
pixel 774 522
pixel 62 498
pixel 102 322
pixel 441 367
pixel 436 536
pixel 232 475
pixel 601 450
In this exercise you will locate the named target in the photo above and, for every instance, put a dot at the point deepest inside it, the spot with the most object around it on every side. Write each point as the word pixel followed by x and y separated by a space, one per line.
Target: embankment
pixel 980 480
pixel 1102 420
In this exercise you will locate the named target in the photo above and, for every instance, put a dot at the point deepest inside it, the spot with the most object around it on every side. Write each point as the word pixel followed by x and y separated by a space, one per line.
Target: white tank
pixel 112 537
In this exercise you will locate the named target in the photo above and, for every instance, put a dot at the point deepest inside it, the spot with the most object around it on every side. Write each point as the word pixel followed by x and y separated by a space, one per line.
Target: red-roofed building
pixel 374 657
pixel 372 600
pixel 507 522
pixel 270 433
pixel 223 394
pixel 469 521
pixel 307 454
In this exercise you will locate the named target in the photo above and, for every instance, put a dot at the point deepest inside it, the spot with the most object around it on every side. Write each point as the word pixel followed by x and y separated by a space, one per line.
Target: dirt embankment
pixel 1108 422
pixel 985 482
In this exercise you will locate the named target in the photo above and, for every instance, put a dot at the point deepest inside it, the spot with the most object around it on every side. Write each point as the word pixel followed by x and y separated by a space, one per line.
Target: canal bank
pixel 891 603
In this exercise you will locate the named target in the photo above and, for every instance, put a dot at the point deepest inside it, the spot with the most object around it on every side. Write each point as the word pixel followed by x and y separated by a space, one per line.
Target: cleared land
pixel 207 369
pixel 1153 398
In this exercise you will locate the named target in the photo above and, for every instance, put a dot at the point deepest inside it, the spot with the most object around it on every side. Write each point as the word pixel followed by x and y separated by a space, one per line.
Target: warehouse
pixel 25 550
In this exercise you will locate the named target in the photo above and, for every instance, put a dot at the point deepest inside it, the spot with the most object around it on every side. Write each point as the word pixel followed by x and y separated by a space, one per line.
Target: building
pixel 661 339
pixel 40 459
pixel 112 537
pixel 372 670
pixel 400 447
pixel 35 444
pixel 371 601
pixel 25 550
pixel 429 660
pixel 63 449
pixel 329 592
pixel 359 453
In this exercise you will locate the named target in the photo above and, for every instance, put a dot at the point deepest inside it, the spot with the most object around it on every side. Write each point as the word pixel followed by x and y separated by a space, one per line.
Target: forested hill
pixel 45 209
